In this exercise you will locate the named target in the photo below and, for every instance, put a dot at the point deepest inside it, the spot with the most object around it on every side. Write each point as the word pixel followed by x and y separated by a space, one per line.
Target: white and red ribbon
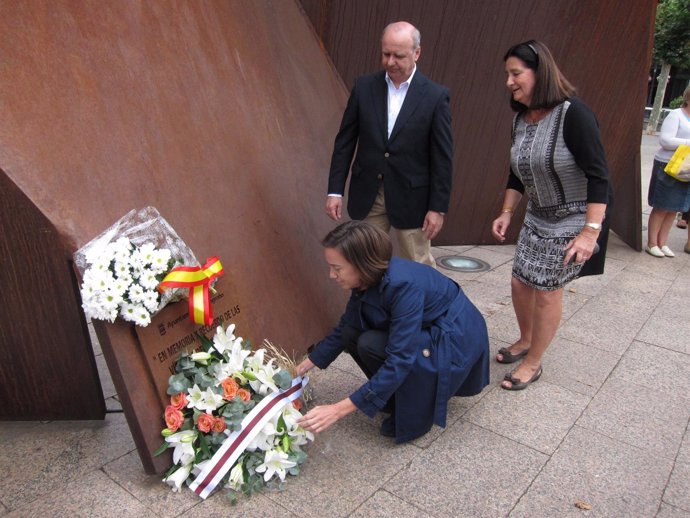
pixel 237 441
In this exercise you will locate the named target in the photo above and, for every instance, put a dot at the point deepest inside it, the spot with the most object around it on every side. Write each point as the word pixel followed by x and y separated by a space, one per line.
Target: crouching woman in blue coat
pixel 412 330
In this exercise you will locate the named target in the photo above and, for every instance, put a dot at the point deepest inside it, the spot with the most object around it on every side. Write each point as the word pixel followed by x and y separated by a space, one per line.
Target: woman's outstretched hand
pixel 305 366
pixel 321 417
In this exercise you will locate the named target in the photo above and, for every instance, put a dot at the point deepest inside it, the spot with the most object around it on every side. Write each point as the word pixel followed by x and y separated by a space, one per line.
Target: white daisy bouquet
pixel 232 418
pixel 122 267
pixel 122 280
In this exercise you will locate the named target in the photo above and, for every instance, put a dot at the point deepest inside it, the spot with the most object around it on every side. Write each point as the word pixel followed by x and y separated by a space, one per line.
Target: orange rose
pixel 219 425
pixel 244 394
pixel 297 403
pixel 205 422
pixel 230 388
pixel 179 400
pixel 173 418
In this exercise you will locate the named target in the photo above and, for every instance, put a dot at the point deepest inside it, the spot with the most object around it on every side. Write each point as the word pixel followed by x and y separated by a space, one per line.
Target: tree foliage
pixel 672 33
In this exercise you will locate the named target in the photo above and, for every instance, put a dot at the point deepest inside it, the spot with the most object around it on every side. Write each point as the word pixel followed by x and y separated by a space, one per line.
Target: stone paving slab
pixel 218 506
pixel 612 320
pixel 617 480
pixel 346 466
pixel 126 472
pixel 577 367
pixel 669 326
pixel 470 472
pixel 539 417
pixel 656 368
pixel 93 495
pixel 385 505
pixel 678 490
pixel 45 457
pixel 639 416
pixel 668 511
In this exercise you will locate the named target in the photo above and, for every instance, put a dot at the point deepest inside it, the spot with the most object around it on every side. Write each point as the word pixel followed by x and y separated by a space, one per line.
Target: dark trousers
pixel 368 349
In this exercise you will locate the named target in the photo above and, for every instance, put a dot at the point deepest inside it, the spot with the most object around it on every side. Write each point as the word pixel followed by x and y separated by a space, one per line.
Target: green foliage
pixel 672 33
pixel 206 344
pixel 178 383
pixel 204 380
pixel 283 379
pixel 234 412
pixel 163 447
pixel 676 103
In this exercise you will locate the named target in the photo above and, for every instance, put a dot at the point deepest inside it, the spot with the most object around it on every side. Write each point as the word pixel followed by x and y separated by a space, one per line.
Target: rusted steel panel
pixel 219 114
pixel 47 368
pixel 602 48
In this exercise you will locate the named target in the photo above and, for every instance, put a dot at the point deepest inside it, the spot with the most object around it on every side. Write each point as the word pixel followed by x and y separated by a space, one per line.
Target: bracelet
pixel 506 209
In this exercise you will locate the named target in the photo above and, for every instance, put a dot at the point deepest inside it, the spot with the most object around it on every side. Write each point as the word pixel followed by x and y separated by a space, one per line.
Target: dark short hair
pixel 551 87
pixel 366 247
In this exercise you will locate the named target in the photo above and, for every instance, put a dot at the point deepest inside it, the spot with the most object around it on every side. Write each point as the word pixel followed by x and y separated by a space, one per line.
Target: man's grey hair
pixel 416 35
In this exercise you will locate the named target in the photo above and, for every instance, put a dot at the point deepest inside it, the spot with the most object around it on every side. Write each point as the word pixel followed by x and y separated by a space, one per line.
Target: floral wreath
pixel 216 394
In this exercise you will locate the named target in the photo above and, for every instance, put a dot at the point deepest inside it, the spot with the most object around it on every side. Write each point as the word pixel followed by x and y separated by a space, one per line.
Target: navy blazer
pixel 438 345
pixel 414 164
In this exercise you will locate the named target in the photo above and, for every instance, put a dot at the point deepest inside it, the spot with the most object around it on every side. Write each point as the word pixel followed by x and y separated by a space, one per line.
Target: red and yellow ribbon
pixel 198 280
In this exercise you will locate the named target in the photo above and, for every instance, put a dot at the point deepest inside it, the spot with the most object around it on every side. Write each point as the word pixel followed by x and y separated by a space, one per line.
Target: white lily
pixel 177 478
pixel 224 338
pixel 264 439
pixel 230 346
pixel 204 400
pixel 212 400
pixel 275 463
pixel 201 357
pixel 236 478
pixel 183 444
pixel 298 434
pixel 264 379
pixel 196 397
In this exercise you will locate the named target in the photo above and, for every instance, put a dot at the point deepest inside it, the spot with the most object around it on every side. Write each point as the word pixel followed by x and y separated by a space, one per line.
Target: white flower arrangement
pixel 121 280
pixel 212 392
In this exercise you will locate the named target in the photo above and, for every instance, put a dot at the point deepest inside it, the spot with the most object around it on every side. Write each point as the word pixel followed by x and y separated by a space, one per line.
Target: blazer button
pixel 386 154
pixel 426 353
pixel 379 176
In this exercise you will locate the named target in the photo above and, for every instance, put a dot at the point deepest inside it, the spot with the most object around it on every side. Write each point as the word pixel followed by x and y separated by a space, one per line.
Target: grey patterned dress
pixel 557 188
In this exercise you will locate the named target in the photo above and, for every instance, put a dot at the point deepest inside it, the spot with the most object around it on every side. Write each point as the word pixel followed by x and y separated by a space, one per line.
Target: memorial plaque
pixel 171 332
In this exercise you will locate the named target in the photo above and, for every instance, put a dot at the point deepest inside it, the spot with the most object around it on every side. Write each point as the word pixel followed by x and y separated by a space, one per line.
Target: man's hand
pixel 433 221
pixel 334 207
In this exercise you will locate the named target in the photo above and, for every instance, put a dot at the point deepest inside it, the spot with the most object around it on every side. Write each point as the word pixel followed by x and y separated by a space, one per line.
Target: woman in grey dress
pixel 557 158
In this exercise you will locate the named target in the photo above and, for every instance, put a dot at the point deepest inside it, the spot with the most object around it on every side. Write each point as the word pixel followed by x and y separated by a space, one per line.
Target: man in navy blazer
pixel 399 123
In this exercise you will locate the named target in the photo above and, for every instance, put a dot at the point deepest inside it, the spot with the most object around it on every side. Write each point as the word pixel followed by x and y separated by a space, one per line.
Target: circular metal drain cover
pixel 461 263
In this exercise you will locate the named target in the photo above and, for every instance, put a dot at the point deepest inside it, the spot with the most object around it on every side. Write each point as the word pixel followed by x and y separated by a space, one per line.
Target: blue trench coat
pixel 438 346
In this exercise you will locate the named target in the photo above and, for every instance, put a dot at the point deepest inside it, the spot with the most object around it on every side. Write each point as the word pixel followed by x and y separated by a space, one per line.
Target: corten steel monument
pixel 222 115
